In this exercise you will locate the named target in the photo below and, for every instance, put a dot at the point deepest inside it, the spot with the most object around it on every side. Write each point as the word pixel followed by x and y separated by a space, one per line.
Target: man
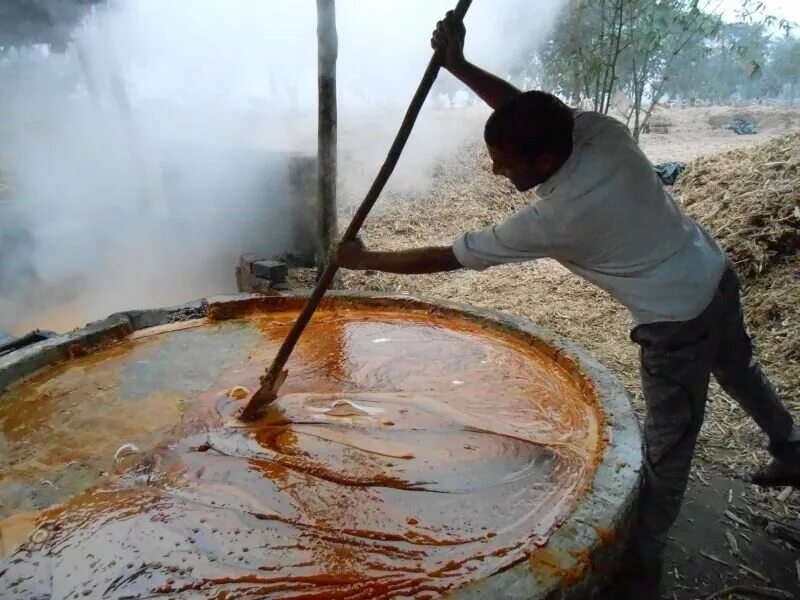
pixel 603 214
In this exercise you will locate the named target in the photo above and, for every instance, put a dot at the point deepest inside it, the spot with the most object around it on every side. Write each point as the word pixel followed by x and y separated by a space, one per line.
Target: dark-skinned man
pixel 602 212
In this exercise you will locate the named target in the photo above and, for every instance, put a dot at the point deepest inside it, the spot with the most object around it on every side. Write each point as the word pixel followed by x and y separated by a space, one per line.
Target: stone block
pixel 270 270
pixel 246 262
pixel 260 275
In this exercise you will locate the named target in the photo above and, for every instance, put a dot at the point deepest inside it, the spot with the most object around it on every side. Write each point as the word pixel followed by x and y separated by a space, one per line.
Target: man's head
pixel 529 138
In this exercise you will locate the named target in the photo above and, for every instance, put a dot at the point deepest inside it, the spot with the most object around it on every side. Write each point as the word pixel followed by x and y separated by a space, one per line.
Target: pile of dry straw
pixel 750 200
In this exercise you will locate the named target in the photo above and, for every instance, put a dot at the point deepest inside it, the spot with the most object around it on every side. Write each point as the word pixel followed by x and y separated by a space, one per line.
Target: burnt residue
pixel 408 455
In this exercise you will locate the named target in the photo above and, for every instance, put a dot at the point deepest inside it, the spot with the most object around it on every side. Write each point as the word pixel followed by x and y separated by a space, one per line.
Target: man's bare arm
pixel 448 38
pixel 354 256
pixel 492 90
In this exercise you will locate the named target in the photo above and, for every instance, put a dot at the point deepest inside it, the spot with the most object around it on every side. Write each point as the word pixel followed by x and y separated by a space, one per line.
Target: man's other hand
pixel 351 255
pixel 448 38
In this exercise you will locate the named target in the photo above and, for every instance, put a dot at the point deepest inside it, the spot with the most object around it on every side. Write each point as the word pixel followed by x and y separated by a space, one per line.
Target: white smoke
pixel 150 154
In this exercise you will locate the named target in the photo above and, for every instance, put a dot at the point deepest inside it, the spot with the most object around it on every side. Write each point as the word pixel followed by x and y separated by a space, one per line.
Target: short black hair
pixel 531 123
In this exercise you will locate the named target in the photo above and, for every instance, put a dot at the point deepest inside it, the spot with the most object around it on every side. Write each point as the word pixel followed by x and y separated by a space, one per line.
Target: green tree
pixel 653 49
pixel 782 74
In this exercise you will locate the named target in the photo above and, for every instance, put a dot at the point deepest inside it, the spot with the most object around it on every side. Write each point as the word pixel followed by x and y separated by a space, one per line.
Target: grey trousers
pixel 677 361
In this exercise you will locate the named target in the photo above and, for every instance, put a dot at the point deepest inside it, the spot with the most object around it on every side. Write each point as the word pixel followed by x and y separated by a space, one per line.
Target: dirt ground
pixel 718 544
pixel 697 131
pixel 702 561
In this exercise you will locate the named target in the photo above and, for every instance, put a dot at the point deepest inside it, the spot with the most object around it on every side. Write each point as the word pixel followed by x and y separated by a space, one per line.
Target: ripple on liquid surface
pixel 408 455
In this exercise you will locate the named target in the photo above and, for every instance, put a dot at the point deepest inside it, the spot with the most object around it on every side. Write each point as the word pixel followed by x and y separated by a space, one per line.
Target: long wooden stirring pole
pixel 274 377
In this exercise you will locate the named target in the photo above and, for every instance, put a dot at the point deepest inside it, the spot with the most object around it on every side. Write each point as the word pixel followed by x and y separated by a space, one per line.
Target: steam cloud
pixel 151 153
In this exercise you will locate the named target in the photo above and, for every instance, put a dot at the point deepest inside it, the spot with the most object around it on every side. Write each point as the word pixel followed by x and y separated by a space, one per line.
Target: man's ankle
pixel 645 555
pixel 637 577
pixel 787 449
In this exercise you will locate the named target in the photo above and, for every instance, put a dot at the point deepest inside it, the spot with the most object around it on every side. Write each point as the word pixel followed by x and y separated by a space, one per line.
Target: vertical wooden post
pixel 275 375
pixel 327 51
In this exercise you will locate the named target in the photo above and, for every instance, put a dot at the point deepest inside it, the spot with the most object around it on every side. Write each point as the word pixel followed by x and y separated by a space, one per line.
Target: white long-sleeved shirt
pixel 606 217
